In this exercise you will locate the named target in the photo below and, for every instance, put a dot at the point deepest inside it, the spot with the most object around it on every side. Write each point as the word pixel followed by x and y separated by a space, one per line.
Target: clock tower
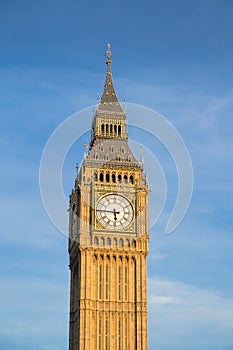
pixel 108 237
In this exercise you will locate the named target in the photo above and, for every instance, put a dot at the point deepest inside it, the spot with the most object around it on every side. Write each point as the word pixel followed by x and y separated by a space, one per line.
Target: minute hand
pixel 109 211
pixel 114 212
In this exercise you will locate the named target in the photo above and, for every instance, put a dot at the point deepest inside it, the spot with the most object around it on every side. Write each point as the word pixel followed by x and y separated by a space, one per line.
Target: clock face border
pixel 122 220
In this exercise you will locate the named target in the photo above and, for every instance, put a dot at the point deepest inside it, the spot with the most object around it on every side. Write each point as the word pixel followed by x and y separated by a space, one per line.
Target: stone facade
pixel 108 237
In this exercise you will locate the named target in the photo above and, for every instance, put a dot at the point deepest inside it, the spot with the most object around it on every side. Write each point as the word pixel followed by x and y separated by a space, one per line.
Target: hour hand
pixel 115 212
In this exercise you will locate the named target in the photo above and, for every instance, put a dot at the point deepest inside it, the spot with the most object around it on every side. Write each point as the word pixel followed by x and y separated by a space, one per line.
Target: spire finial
pixel 108 54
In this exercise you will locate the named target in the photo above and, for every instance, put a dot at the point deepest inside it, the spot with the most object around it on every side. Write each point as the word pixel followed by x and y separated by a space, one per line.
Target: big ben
pixel 108 237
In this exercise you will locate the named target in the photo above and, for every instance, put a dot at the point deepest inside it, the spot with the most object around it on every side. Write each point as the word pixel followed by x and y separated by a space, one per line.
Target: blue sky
pixel 171 56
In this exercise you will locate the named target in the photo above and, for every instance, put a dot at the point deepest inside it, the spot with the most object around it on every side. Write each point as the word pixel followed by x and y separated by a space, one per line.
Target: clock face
pixel 114 212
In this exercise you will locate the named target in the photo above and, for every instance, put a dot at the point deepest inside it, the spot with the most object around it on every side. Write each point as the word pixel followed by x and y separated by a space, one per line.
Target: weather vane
pixel 109 53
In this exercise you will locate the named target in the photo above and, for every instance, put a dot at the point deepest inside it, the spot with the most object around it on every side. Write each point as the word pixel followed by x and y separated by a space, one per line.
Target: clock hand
pixel 115 212
pixel 109 211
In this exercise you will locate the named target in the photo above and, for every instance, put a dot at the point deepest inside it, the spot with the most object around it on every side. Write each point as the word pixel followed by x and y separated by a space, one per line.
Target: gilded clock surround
pixel 108 294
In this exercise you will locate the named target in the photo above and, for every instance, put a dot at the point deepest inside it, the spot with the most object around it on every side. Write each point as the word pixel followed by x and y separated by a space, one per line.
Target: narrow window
pixel 100 334
pixel 108 241
pixel 119 130
pixel 119 282
pixel 106 334
pixel 113 178
pixel 96 241
pixel 119 178
pixel 111 129
pixel 131 179
pixel 126 332
pixel 100 280
pixel 102 128
pixel 107 177
pixel 125 179
pixel 106 282
pixel 115 130
pixel 121 242
pixel 101 177
pixel 125 283
pixel 119 334
pixel 107 129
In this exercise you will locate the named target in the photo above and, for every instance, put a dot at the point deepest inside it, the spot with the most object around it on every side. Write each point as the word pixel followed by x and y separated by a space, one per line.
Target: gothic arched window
pixel 133 243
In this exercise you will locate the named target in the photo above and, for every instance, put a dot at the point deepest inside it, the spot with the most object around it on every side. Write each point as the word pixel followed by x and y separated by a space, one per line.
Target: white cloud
pixel 178 310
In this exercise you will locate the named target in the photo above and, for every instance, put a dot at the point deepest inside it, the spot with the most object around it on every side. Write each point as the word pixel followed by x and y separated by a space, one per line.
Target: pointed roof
pixel 109 102
pixel 109 147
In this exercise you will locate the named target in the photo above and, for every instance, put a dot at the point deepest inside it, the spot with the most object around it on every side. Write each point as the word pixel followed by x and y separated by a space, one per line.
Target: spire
pixel 109 102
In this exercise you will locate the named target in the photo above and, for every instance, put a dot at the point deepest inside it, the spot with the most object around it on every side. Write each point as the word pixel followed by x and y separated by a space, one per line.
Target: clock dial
pixel 114 212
